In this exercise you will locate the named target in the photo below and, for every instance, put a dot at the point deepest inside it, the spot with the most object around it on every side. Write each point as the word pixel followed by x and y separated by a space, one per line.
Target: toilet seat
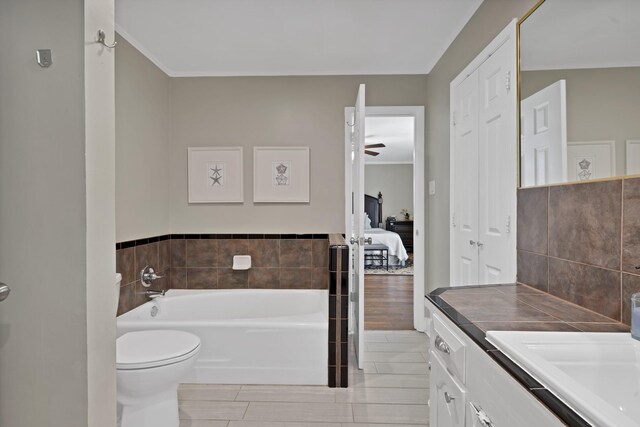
pixel 150 349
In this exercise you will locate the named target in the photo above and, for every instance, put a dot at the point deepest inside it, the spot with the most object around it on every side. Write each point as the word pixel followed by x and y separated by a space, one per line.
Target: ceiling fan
pixel 369 152
pixel 373 153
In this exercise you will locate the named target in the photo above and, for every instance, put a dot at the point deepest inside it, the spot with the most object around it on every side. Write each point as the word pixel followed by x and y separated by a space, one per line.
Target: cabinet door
pixel 464 180
pixel 447 398
pixel 497 166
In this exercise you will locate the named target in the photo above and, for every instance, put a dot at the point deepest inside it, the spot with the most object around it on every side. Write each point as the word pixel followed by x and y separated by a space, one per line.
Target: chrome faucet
pixel 148 275
pixel 153 294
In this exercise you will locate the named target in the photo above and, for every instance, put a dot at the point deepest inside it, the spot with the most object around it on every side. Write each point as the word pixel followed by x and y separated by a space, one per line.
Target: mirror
pixel 579 91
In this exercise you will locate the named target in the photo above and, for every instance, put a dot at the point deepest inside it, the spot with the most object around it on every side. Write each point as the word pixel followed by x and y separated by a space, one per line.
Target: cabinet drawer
pixel 449 347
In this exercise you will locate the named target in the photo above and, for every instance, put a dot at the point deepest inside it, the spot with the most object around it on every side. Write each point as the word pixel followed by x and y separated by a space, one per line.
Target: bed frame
pixel 373 208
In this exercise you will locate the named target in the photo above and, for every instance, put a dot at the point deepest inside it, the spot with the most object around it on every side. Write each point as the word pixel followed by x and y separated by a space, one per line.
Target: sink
pixel 597 374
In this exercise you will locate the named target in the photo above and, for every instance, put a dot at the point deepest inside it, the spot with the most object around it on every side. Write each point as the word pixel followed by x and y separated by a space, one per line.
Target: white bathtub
pixel 248 336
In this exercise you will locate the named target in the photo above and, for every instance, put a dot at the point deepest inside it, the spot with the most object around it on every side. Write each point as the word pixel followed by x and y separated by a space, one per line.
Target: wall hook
pixel 101 38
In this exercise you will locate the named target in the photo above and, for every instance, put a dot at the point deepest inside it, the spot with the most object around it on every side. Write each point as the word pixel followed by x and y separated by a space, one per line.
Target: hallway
pixel 388 302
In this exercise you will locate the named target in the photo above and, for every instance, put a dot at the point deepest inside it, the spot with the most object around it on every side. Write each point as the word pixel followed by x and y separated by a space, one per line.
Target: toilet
pixel 150 365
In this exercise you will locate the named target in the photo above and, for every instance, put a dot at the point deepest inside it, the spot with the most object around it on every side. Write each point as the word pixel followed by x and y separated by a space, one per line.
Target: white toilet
pixel 150 365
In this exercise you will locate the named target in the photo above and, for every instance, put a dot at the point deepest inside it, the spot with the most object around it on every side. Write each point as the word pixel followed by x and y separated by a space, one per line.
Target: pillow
pixel 367 221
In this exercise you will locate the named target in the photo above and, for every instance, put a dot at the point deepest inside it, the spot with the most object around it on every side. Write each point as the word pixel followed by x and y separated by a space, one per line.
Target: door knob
pixel 368 241
pixel 472 242
pixel 353 240
pixel 4 291
pixel 480 244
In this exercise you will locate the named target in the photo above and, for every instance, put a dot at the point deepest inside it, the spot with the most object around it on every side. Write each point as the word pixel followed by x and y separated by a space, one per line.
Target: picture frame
pixel 215 174
pixel 281 174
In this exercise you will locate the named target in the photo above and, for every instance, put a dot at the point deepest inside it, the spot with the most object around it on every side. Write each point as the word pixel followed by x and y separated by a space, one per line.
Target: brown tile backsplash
pixel 532 219
pixel 202 253
pixel 585 223
pixel 631 226
pixel 593 233
pixel 295 253
pixel 204 262
pixel 590 287
pixel 533 269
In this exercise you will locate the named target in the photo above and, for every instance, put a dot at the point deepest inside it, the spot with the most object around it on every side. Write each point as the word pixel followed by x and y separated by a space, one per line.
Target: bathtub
pixel 248 336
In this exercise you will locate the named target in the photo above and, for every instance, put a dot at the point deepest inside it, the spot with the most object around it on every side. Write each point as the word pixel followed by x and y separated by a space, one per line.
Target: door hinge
pixel 508 224
pixel 507 80
pixel 453 118
pixel 453 220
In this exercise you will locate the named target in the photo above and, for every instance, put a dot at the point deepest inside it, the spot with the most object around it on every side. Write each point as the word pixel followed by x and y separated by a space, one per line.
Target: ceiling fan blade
pixel 379 145
pixel 371 153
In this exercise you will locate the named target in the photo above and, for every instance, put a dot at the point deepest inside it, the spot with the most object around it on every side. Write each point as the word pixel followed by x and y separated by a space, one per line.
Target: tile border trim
pixel 206 236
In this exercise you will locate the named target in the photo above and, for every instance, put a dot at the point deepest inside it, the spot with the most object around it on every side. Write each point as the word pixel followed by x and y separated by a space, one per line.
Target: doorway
pixel 392 300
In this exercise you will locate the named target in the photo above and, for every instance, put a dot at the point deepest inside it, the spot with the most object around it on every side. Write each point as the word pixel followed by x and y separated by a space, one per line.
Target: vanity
pixel 473 383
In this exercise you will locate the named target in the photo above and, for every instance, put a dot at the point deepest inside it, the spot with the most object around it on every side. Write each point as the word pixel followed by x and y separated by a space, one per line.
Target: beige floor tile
pixel 382 425
pixel 286 394
pixel 307 412
pixel 208 392
pixel 394 414
pixel 203 423
pixel 367 367
pixel 396 347
pixel 402 368
pixel 383 395
pixel 280 424
pixel 420 338
pixel 207 410
pixel 375 336
pixel 389 356
pixel 390 380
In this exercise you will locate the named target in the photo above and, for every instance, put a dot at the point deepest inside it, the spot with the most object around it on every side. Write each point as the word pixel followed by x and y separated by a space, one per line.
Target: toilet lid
pixel 148 349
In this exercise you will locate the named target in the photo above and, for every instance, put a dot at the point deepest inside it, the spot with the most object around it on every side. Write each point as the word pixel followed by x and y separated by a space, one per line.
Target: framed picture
pixel 281 174
pixel 215 175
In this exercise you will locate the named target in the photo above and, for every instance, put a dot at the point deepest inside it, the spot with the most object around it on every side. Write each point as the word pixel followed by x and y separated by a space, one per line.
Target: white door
pixel 464 172
pixel 543 153
pixel 633 157
pixel 591 160
pixel 357 229
pixel 497 164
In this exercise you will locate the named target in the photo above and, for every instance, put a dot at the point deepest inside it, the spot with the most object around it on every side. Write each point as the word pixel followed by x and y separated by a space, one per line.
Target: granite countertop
pixel 478 309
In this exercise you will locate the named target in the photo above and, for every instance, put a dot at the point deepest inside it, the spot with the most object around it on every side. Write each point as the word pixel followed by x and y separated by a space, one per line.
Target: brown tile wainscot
pixel 581 243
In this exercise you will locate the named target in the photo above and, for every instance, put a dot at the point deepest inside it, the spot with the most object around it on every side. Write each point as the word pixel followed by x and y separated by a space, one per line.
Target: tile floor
pixel 391 391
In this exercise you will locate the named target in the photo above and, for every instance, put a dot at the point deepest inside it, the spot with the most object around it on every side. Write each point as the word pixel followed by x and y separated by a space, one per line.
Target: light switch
pixel 432 188
pixel 43 56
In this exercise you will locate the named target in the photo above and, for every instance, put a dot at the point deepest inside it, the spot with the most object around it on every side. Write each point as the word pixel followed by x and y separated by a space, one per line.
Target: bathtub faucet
pixel 153 294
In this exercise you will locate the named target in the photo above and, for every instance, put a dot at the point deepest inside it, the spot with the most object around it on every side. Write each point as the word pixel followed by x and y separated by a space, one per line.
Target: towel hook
pixel 101 38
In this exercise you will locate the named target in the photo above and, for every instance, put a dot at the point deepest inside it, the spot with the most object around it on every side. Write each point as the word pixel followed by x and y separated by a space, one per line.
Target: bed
pixel 373 210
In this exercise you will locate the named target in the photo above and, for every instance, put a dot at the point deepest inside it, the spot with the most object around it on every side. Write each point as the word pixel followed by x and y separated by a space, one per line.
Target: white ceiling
pixel 567 34
pixel 394 132
pixel 292 37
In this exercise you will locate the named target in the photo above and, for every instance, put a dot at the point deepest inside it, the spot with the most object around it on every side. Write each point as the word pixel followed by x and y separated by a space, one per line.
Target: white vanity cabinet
pixel 469 389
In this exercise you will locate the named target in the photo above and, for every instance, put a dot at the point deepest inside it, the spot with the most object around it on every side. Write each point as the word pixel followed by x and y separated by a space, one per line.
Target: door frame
pixel 419 208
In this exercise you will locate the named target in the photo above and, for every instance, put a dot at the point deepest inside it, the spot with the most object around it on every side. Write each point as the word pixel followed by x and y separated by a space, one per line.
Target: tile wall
pixel 203 261
pixel 338 312
pixel 581 242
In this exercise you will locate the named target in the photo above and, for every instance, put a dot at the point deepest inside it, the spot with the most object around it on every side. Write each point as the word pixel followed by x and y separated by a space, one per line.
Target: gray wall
pixel 142 146
pixel 490 18
pixel 272 111
pixel 43 324
pixel 396 184
pixel 602 104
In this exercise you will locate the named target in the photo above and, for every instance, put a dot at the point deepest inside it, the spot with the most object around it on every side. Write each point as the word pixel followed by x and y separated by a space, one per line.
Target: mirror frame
pixel 518 112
